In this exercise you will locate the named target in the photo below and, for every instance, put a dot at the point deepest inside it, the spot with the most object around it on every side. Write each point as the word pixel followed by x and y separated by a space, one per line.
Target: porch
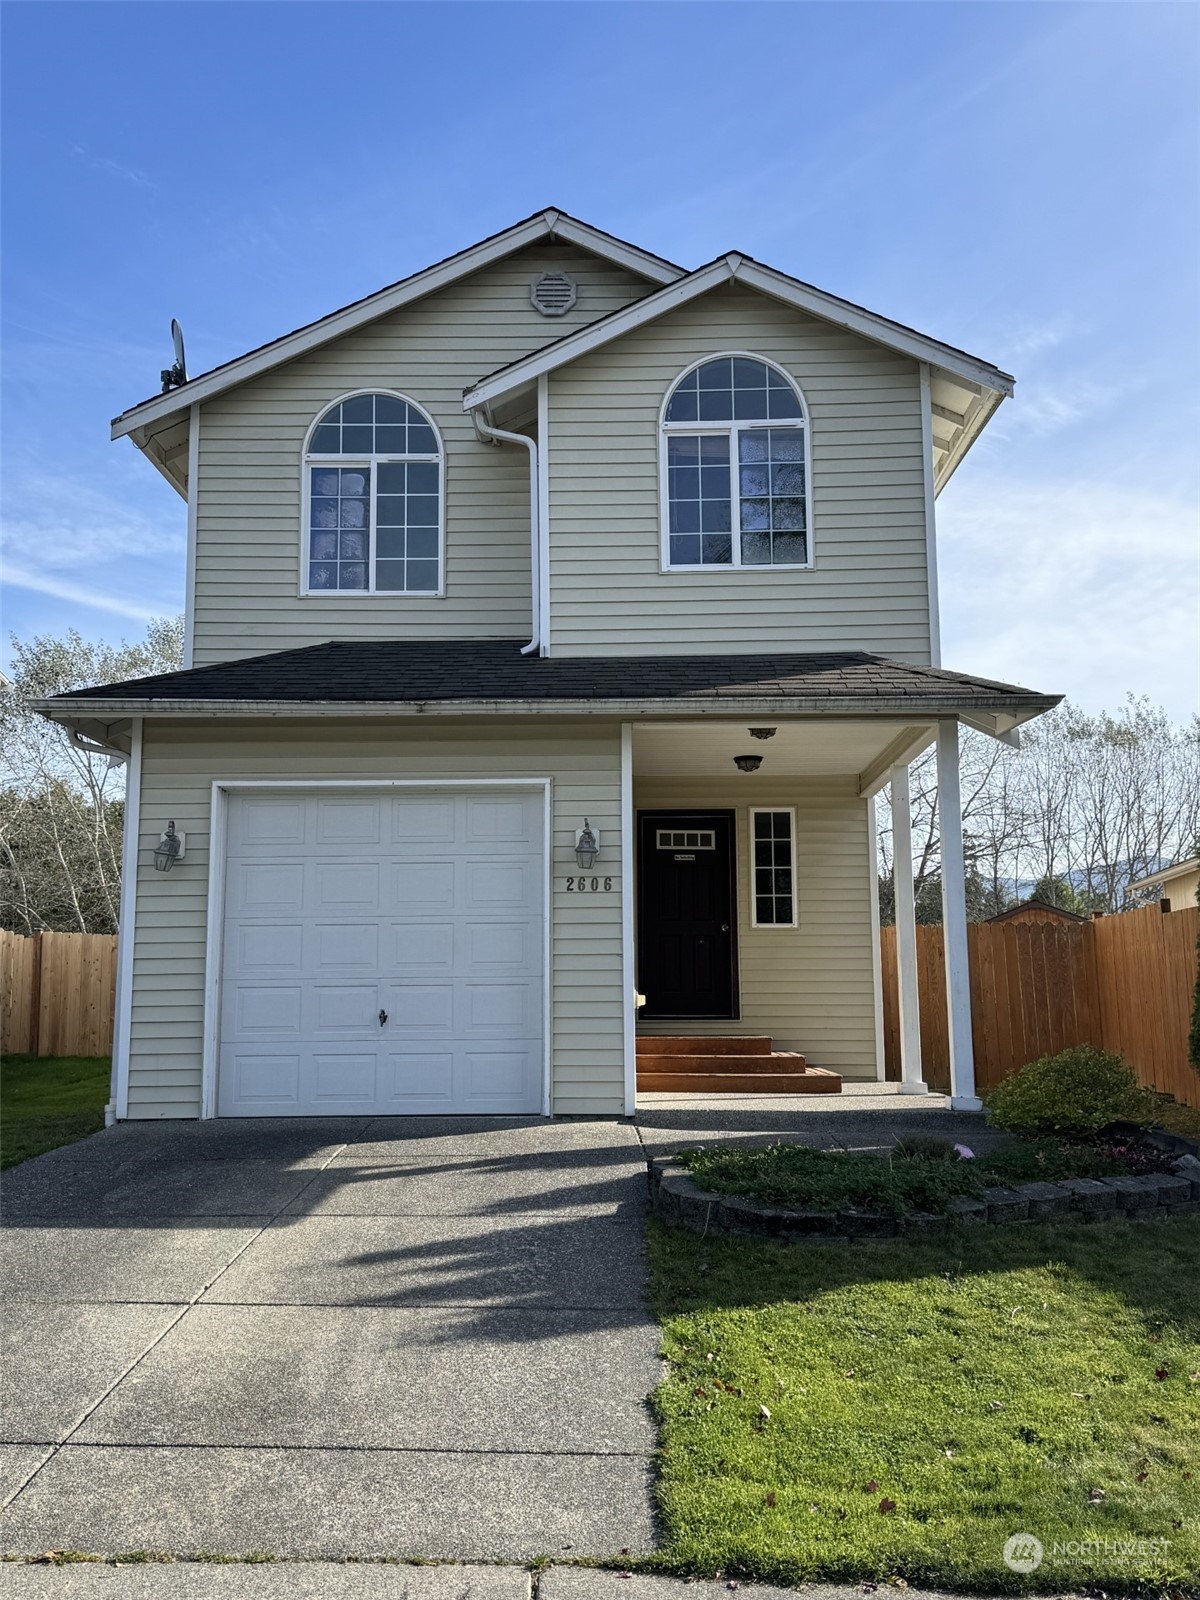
pixel 756 959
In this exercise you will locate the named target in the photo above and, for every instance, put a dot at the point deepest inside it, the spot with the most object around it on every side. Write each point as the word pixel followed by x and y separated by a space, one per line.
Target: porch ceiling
pixel 863 748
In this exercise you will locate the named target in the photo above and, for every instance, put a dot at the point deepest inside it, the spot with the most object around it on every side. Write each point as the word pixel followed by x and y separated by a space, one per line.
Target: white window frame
pixel 731 430
pixel 773 811
pixel 309 460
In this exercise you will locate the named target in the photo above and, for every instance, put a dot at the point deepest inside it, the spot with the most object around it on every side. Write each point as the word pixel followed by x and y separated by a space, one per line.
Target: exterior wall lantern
pixel 587 845
pixel 747 763
pixel 169 849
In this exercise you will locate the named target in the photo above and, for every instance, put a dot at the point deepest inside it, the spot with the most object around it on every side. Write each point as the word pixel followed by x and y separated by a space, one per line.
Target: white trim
pixel 730 430
pixel 876 952
pixel 908 997
pixel 127 934
pixel 309 461
pixel 1166 874
pixel 772 811
pixel 931 563
pixel 628 960
pixel 223 788
pixel 802 296
pixel 543 428
pixel 954 922
pixel 416 287
pixel 193 493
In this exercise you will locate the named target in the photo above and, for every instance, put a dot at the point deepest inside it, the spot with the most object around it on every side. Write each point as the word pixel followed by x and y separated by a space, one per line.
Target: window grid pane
pixel 774 870
pixel 698 501
pixel 771 488
pixel 733 389
pixel 398 528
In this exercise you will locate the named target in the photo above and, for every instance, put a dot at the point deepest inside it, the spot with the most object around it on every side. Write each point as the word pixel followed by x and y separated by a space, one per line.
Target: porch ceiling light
pixel 762 733
pixel 168 850
pixel 587 846
pixel 747 763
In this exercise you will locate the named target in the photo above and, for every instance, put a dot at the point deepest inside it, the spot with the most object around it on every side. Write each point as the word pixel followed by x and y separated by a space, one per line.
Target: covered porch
pixel 754 906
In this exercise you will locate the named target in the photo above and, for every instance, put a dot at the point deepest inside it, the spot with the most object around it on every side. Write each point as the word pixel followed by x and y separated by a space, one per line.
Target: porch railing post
pixel 954 922
pixel 912 1078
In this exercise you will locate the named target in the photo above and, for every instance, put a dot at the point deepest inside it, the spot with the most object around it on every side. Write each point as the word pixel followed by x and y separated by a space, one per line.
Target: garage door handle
pixel 382 1018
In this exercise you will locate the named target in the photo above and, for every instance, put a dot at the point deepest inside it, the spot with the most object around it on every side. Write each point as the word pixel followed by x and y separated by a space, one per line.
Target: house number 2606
pixel 588 885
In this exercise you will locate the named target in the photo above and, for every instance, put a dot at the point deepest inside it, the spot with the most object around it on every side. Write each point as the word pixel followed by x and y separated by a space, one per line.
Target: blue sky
pixel 1019 180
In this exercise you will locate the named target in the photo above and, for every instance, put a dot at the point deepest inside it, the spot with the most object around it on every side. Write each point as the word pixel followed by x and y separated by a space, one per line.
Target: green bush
pixel 1075 1093
pixel 829 1180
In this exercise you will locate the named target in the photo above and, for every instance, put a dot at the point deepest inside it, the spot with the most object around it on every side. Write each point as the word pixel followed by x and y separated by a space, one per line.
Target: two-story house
pixel 553 617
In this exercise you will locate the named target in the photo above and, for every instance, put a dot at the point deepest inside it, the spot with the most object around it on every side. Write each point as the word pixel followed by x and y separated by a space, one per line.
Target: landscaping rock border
pixel 680 1202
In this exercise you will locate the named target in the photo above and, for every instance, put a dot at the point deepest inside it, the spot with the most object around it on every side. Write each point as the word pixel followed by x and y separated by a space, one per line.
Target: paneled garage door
pixel 383 952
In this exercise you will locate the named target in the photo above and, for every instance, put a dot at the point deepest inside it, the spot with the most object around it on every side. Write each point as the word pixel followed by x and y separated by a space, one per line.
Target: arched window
pixel 735 465
pixel 373 481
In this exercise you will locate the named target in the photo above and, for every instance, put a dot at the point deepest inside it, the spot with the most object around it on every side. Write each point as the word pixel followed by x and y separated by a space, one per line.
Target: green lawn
pixel 46 1101
pixel 927 1401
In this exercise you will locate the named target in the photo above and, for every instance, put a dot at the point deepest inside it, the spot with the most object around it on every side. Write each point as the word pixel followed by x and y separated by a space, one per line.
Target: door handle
pixel 724 927
pixel 382 1018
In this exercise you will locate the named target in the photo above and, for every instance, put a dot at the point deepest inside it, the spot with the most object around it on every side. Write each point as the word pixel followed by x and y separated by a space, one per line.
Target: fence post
pixel 35 998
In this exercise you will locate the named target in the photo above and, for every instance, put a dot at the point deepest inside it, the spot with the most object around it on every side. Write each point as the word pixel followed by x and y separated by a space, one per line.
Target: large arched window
pixel 373 498
pixel 735 467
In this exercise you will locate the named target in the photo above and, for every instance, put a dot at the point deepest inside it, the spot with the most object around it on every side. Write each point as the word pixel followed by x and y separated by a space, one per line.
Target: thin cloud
pixel 114 169
pixel 18 577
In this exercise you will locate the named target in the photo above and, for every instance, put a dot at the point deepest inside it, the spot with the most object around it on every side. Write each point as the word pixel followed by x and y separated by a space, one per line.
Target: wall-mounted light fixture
pixel 747 763
pixel 587 845
pixel 169 849
pixel 762 733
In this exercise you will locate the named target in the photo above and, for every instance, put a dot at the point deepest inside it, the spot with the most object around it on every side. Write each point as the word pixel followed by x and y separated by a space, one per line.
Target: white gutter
pixel 501 436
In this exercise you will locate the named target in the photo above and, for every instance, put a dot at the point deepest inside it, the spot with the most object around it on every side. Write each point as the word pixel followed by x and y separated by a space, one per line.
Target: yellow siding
pixel 810 987
pixel 868 589
pixel 179 765
pixel 248 546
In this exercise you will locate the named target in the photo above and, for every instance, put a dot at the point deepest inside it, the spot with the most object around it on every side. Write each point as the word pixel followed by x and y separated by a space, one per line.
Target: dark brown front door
pixel 686 937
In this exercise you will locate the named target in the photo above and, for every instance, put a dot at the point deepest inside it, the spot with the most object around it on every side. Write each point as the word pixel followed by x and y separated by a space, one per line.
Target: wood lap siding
pixel 868 589
pixel 1123 983
pixel 810 987
pixel 178 767
pixel 249 543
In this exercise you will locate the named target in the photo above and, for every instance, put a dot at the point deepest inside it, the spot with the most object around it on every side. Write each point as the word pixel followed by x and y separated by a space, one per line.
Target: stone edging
pixel 681 1203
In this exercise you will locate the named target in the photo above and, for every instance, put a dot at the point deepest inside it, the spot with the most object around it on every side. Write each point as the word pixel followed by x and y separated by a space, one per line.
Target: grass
pixel 46 1101
pixel 926 1401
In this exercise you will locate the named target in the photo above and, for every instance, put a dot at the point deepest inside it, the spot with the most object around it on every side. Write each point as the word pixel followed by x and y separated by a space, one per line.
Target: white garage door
pixel 383 952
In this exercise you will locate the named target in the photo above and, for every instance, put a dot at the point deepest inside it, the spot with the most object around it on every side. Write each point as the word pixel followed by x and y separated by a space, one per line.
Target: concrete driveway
pixel 330 1337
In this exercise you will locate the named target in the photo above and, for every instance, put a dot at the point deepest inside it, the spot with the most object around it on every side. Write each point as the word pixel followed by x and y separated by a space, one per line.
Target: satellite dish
pixel 174 377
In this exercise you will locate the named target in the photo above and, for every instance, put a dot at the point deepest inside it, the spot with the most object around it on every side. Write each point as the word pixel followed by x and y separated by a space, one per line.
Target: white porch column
pixel 912 1080
pixel 954 922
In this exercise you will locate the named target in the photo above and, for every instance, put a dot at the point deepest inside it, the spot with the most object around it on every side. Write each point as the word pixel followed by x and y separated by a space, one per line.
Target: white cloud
pixel 1088 589
pixel 18 577
pixel 60 523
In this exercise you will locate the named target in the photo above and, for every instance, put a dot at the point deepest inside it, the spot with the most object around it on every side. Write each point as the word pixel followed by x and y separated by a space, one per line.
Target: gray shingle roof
pixel 494 672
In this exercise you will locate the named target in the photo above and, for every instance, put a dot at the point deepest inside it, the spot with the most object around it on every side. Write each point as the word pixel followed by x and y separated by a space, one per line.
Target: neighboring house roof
pixel 1181 869
pixel 493 675
pixel 973 387
pixel 1036 911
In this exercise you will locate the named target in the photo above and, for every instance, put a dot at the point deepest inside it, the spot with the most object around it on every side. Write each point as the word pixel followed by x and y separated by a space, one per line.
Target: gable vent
pixel 553 293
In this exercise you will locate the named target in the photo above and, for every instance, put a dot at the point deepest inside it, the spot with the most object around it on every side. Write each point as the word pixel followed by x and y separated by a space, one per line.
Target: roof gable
pixel 167 410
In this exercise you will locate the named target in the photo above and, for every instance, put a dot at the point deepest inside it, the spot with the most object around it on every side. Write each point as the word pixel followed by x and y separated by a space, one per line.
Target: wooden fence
pixel 1123 983
pixel 56 993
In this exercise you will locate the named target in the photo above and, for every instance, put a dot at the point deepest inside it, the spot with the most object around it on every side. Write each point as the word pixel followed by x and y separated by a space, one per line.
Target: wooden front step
pixel 718 1065
pixel 703 1045
pixel 812 1080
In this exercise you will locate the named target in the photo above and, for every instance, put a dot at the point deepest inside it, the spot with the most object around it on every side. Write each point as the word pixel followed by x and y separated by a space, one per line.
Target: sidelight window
pixel 773 889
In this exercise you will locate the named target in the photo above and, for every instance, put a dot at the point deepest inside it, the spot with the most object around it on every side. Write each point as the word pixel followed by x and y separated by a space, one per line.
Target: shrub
pixel 924 1147
pixel 1073 1094
pixel 798 1176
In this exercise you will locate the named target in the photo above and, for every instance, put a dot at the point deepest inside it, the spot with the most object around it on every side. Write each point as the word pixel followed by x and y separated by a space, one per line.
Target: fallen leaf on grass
pixel 996 1405
pixel 1141 1477
pixel 886 1505
pixel 1096 1495
pixel 770 1499
pixel 1075 1395
pixel 1161 1372
pixel 871 1487
pixel 840 1515
pixel 764 1412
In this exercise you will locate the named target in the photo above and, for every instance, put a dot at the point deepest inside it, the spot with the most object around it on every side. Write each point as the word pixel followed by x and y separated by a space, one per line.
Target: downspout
pixel 499 436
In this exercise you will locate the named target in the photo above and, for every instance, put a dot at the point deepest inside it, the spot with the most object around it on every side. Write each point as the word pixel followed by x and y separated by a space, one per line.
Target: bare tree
pixel 62 806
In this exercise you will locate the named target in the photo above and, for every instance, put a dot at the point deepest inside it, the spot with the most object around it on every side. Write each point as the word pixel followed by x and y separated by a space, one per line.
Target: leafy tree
pixel 1058 892
pixel 62 805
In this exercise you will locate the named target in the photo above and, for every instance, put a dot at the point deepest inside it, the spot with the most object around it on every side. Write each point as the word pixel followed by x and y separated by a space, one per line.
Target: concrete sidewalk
pixel 413 1337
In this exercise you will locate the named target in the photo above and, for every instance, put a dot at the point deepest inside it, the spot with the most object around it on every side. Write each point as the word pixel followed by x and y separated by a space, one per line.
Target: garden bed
pixel 793 1192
